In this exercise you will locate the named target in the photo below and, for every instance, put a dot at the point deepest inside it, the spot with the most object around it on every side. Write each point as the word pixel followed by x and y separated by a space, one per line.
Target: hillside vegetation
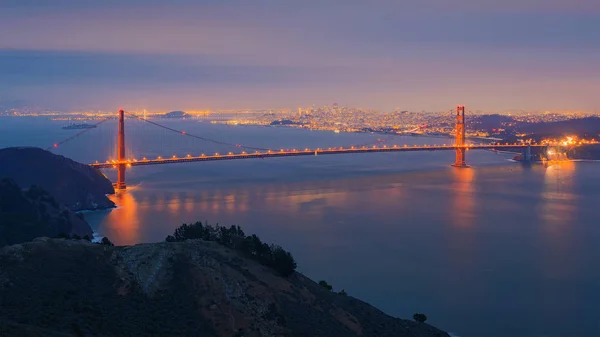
pixel 72 184
pixel 27 214
pixel 58 287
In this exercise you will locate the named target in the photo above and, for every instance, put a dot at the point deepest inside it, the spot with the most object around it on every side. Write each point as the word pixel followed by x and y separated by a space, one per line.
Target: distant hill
pixel 31 213
pixel 57 287
pixel 589 126
pixel 490 122
pixel 73 184
pixel 175 114
pixel 284 122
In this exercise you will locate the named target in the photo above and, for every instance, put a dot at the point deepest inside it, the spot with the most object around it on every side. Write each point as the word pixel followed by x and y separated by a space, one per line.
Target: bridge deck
pixel 307 152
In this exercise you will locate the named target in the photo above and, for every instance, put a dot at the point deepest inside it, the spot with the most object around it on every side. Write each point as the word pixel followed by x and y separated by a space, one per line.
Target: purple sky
pixel 416 55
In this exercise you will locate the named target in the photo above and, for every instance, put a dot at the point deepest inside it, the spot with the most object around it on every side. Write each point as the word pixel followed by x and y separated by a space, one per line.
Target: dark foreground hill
pixel 31 213
pixel 73 184
pixel 57 287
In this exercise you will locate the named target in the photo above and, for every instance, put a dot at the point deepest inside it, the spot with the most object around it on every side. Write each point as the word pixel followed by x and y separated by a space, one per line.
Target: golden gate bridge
pixel 122 162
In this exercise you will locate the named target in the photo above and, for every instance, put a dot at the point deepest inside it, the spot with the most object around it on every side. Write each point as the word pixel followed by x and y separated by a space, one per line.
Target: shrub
pixel 87 238
pixel 282 261
pixel 75 237
pixel 325 285
pixel 234 237
pixel 62 235
pixel 105 241
pixel 192 231
pixel 420 317
pixel 343 293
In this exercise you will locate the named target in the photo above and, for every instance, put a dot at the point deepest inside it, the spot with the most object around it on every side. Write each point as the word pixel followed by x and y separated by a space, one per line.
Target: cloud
pixel 378 53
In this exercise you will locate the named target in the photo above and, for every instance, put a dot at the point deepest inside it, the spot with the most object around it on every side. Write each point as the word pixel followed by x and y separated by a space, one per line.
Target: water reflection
pixel 462 213
pixel 559 201
pixel 123 222
pixel 174 203
pixel 559 208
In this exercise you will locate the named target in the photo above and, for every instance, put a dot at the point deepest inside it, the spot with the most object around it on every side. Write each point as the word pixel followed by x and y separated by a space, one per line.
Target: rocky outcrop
pixel 31 213
pixel 73 184
pixel 191 288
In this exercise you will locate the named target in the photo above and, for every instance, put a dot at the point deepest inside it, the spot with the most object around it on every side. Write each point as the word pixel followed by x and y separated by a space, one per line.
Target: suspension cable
pixel 181 132
pixel 55 145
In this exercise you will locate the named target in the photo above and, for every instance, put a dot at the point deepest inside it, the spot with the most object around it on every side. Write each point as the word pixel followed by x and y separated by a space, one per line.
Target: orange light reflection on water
pixel 463 197
pixel 559 215
pixel 123 222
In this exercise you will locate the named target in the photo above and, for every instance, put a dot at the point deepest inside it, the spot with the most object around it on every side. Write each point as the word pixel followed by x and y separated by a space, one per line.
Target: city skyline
pixel 531 55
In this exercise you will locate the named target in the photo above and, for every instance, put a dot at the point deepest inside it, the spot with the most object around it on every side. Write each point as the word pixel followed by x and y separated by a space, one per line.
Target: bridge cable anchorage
pixel 55 145
pixel 181 132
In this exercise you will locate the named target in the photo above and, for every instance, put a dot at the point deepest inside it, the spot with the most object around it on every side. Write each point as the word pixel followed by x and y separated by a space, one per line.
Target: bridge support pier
pixel 461 161
pixel 526 154
pixel 120 177
pixel 121 152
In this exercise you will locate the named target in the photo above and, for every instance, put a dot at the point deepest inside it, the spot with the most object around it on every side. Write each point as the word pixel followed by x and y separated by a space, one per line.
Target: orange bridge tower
pixel 460 137
pixel 121 166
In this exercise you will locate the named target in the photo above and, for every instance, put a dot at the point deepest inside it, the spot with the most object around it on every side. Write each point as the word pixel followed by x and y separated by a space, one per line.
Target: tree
pixel 420 317
pixel 343 293
pixel 62 235
pixel 105 241
pixel 325 285
pixel 87 238
pixel 272 256
pixel 282 261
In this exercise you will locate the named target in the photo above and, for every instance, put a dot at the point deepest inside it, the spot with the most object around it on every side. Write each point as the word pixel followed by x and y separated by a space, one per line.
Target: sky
pixel 233 54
